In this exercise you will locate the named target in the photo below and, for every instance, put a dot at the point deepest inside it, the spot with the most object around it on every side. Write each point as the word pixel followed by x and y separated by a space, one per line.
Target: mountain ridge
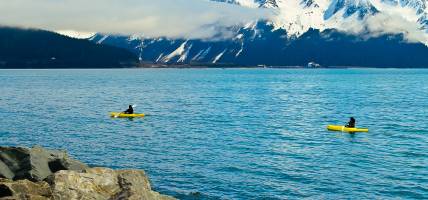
pixel 280 38
pixel 33 48
pixel 298 16
pixel 263 45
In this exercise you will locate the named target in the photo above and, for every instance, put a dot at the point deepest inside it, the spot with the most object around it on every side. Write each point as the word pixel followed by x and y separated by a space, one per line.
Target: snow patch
pixel 197 55
pixel 239 36
pixel 76 34
pixel 159 57
pixel 102 39
pixel 202 54
pixel 183 57
pixel 240 50
pixel 250 25
pixel 248 3
pixel 218 57
pixel 180 51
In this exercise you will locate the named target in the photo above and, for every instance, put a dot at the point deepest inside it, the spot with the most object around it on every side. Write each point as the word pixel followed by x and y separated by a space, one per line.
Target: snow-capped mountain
pixel 262 44
pixel 298 16
pixel 361 8
pixel 383 33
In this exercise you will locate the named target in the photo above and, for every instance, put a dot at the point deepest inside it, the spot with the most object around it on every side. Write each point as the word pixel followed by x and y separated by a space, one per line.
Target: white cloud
pixel 76 34
pixel 171 18
pixel 199 18
pixel 384 23
pixel 248 3
pixel 297 19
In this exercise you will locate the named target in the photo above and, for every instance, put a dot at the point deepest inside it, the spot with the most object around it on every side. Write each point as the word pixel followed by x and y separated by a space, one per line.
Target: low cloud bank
pixel 203 19
pixel 170 18
pixel 390 20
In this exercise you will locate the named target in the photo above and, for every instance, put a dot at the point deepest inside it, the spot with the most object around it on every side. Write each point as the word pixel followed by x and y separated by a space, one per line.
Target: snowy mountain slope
pixel 262 44
pixel 246 3
pixel 380 33
pixel 298 16
pixel 361 8
pixel 414 10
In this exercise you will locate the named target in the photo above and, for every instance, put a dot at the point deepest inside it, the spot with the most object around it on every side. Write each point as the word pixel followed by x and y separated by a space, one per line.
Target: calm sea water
pixel 235 133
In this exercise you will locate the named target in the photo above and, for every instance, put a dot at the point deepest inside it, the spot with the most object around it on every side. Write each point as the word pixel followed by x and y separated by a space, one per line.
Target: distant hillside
pixel 27 48
pixel 262 44
pixel 331 33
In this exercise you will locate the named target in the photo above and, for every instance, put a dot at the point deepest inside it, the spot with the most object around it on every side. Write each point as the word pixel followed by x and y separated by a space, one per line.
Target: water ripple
pixel 233 134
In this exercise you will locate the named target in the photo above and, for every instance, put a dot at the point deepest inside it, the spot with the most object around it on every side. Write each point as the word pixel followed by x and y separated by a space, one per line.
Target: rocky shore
pixel 40 174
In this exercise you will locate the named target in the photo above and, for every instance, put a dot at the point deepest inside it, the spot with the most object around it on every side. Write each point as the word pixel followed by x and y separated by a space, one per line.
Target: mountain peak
pixel 361 8
pixel 298 16
pixel 268 4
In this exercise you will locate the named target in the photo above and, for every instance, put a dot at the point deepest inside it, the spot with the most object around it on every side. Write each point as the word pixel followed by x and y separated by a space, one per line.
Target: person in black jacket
pixel 351 123
pixel 130 110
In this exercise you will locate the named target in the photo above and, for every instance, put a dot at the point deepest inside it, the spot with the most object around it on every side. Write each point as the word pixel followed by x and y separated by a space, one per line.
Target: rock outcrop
pixel 35 164
pixel 24 189
pixel 40 174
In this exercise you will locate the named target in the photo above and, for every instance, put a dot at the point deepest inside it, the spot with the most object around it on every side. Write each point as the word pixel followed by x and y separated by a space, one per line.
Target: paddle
pixel 117 115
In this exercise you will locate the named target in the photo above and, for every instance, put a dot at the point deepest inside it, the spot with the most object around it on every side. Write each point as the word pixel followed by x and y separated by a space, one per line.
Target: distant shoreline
pixel 213 67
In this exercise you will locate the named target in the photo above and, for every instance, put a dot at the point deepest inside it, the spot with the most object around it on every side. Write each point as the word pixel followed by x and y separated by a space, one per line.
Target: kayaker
pixel 351 123
pixel 130 110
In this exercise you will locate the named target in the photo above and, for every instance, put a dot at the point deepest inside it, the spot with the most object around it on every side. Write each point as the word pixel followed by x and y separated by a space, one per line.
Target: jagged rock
pixel 24 189
pixel 97 183
pixel 103 183
pixel 5 172
pixel 42 174
pixel 35 164
pixel 135 185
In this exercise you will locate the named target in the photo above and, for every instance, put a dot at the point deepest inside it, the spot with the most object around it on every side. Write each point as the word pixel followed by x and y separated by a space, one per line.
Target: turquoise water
pixel 235 133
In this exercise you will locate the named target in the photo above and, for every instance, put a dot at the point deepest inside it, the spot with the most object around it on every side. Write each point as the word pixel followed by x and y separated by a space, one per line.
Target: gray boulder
pixel 5 172
pixel 24 189
pixel 35 163
pixel 104 184
pixel 40 174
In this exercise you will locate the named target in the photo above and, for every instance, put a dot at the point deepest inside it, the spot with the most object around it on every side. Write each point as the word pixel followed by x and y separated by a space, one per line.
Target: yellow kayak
pixel 346 129
pixel 123 115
